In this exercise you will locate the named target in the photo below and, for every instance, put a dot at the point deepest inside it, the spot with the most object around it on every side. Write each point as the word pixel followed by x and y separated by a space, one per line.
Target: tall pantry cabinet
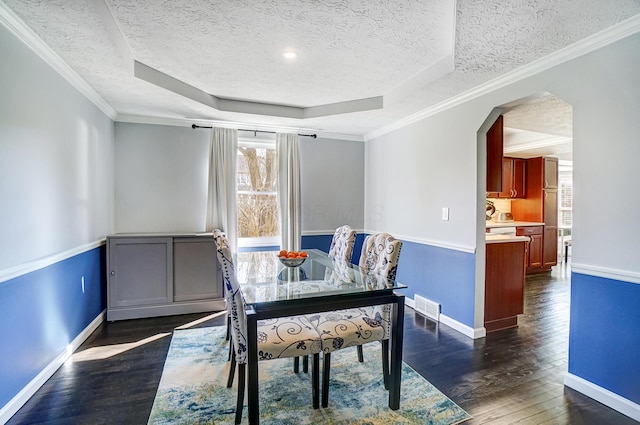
pixel 541 205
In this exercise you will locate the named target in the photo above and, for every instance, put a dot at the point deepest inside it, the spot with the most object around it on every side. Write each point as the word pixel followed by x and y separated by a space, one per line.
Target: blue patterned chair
pixel 358 326
pixel 277 338
pixel 342 243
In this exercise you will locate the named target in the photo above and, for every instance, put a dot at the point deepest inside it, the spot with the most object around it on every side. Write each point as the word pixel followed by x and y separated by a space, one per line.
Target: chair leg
pixel 240 399
pixel 360 354
pixel 305 364
pixel 385 363
pixel 326 366
pixel 230 348
pixel 228 327
pixel 296 364
pixel 315 380
pixel 232 370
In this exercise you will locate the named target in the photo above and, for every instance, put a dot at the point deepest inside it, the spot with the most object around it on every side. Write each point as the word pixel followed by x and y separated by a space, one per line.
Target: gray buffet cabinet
pixel 162 274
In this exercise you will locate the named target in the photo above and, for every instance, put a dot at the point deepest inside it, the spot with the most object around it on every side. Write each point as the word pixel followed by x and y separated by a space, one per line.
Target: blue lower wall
pixel 43 311
pixel 445 276
pixel 604 338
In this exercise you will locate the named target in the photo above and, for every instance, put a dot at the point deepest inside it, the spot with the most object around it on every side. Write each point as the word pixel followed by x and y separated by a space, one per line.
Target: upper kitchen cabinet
pixel 513 178
pixel 550 173
pixel 494 156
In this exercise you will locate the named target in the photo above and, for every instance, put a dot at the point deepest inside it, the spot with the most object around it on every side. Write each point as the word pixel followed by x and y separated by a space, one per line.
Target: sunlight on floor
pixel 101 353
pixel 104 352
pixel 204 319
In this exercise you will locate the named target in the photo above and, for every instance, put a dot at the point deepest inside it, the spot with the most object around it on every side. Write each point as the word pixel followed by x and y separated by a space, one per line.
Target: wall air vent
pixel 427 307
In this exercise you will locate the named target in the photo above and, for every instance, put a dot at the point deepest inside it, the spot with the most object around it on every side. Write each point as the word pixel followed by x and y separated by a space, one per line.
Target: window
pixel 565 196
pixel 257 179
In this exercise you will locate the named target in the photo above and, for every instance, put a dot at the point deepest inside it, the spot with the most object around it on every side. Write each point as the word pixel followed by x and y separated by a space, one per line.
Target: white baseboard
pixel 454 324
pixel 27 392
pixel 604 396
pixel 474 333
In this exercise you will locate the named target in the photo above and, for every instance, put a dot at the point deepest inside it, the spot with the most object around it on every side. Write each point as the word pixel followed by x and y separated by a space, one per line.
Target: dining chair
pixel 357 326
pixel 342 243
pixel 221 241
pixel 277 338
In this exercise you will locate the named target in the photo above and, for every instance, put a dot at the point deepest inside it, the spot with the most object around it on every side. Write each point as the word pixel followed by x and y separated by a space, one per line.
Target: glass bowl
pixel 292 262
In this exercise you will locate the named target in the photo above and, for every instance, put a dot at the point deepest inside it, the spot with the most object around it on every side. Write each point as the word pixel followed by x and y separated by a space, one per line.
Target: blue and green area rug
pixel 193 389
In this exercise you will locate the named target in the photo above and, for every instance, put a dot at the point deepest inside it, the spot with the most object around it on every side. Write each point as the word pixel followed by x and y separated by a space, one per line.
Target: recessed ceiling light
pixel 290 54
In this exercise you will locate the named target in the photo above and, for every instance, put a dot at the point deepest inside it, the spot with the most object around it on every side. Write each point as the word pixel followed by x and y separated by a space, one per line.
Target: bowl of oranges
pixel 292 258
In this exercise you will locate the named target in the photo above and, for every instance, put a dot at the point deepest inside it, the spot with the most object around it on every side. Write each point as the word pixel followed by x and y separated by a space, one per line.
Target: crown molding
pixel 187 122
pixel 18 28
pixel 594 42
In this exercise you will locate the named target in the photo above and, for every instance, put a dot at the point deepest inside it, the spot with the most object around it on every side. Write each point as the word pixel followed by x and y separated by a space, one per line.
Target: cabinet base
pixel 500 324
pixel 533 270
pixel 140 312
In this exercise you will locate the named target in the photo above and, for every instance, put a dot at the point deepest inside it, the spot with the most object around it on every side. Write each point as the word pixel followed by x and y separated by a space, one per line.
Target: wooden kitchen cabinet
pixel 160 275
pixel 534 254
pixel 541 205
pixel 504 284
pixel 494 156
pixel 550 173
pixel 513 178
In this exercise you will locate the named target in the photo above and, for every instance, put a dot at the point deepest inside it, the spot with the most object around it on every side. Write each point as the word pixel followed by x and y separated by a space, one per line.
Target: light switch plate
pixel 445 213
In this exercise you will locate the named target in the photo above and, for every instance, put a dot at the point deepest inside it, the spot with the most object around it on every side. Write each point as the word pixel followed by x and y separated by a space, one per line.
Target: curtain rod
pixel 194 126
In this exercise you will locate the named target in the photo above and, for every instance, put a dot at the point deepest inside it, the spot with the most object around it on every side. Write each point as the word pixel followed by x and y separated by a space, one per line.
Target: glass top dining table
pixel 320 284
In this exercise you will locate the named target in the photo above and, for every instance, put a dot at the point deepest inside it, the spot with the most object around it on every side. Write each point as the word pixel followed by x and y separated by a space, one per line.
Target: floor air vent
pixel 427 307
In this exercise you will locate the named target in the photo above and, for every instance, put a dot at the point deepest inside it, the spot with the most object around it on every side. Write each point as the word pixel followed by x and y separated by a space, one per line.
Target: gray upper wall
pixel 56 161
pixel 161 180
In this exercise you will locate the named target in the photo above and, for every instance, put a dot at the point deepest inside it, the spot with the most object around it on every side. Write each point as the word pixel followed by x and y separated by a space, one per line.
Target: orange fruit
pixel 283 253
pixel 303 254
pixel 292 254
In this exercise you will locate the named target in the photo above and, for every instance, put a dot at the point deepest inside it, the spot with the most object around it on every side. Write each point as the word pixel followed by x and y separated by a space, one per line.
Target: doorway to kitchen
pixel 542 126
pixel 533 195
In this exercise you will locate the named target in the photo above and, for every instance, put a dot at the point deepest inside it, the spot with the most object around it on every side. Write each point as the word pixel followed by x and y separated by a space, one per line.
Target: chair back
pixel 235 305
pixel 342 243
pixel 220 239
pixel 380 255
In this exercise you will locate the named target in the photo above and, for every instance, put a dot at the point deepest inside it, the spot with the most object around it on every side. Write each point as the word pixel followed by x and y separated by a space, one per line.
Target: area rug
pixel 193 390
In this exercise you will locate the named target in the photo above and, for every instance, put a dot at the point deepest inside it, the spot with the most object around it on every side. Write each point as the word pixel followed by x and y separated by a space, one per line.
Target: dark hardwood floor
pixel 511 376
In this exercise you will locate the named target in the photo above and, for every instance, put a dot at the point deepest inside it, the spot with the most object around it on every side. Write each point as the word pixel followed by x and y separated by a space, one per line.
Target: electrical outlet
pixel 445 213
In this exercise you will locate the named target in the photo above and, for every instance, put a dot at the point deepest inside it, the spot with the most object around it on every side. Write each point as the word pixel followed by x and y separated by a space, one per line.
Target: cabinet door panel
pixel 550 249
pixel 494 156
pixel 195 270
pixel 550 173
pixel 535 251
pixel 519 178
pixel 550 199
pixel 140 272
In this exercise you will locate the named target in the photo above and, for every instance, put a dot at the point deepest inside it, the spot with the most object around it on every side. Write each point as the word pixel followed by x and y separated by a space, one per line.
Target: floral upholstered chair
pixel 221 241
pixel 342 243
pixel 277 338
pixel 358 326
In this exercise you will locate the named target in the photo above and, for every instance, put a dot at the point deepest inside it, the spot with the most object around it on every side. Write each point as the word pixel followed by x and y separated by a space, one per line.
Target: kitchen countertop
pixel 491 224
pixel 498 238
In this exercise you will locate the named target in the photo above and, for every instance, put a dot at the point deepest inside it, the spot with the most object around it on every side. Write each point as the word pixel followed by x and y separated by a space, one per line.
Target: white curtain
pixel 222 208
pixel 289 191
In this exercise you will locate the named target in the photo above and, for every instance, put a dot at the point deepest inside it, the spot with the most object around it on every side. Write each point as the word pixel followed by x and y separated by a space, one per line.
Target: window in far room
pixel 257 179
pixel 565 196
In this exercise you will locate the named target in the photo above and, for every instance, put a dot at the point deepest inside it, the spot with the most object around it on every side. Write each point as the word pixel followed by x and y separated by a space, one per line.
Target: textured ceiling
pixel 413 53
pixel 540 126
